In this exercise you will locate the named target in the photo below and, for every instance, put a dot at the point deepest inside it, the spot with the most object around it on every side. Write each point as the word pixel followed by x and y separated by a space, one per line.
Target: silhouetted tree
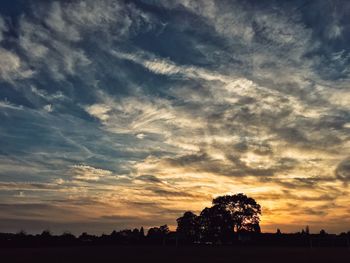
pixel 164 229
pixel 307 230
pixel 136 232
pixel 216 224
pixel 114 234
pixel 142 232
pixel 46 234
pixel 188 227
pixel 22 233
pixel 243 210
pixel 85 237
pixel 67 238
pixel 158 234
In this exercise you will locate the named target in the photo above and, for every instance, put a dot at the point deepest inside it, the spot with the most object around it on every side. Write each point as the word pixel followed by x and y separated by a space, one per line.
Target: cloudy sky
pixel 119 114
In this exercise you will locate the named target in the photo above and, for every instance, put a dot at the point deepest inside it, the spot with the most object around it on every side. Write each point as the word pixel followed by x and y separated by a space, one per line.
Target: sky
pixel 121 114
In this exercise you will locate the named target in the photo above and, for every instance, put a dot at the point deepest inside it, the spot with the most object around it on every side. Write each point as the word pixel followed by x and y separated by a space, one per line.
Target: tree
pixel 188 227
pixel 67 238
pixel 216 224
pixel 323 232
pixel 307 230
pixel 142 232
pixel 244 211
pixel 164 229
pixel 158 234
pixel 136 233
pixel 46 234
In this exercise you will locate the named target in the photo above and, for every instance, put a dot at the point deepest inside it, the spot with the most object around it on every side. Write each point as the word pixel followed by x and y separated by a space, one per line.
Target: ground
pixel 173 254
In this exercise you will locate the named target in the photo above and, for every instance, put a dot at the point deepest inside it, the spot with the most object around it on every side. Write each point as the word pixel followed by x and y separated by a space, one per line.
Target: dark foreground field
pixel 173 254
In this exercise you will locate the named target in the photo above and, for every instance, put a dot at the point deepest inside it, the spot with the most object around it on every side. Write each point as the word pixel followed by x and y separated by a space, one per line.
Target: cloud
pixel 133 115
pixel 23 186
pixel 48 108
pixel 88 173
pixel 54 36
pixel 7 104
pixel 148 178
pixel 11 67
pixel 99 111
pixel 231 165
pixel 140 136
pixel 3 28
pixel 167 67
pixel 169 193
pixel 57 23
pixel 45 95
pixel 342 171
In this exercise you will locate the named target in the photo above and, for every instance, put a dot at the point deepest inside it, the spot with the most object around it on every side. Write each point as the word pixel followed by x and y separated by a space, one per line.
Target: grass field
pixel 173 254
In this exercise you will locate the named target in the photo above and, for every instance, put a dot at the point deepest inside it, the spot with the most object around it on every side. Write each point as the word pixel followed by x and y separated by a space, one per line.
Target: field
pixel 173 254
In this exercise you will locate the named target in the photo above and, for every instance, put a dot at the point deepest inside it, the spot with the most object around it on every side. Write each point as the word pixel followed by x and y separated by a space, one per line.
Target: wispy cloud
pixel 88 173
pixel 11 67
pixel 167 67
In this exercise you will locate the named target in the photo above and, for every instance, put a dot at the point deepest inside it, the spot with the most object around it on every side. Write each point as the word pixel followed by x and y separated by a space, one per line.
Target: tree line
pixel 231 220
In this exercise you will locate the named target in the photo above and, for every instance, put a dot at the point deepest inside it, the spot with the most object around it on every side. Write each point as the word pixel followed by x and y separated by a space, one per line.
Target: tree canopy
pixel 229 214
pixel 244 211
